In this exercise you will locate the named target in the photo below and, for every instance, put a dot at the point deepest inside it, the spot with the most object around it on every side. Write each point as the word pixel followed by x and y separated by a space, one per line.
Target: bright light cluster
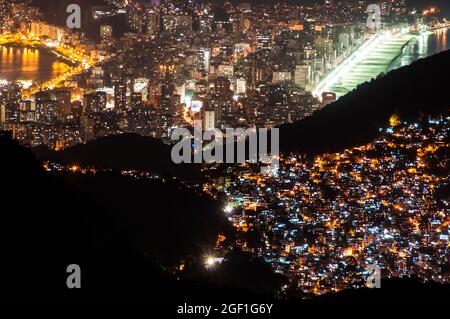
pixel 345 67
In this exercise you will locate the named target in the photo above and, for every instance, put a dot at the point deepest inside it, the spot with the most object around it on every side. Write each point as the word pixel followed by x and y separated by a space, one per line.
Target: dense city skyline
pixel 271 151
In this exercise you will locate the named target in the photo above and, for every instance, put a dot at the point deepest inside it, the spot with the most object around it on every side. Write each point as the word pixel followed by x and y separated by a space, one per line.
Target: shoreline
pixel 76 62
pixel 58 56
pixel 342 89
pixel 400 53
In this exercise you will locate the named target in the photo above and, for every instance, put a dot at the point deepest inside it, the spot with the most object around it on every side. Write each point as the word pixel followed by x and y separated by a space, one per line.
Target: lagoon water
pixel 22 63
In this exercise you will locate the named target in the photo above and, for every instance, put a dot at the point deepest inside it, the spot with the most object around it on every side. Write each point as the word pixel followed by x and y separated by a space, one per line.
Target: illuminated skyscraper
pixel 152 19
pixel 106 31
pixel 120 96
pixel 2 115
pixel 302 75
pixel 328 98
pixel 209 120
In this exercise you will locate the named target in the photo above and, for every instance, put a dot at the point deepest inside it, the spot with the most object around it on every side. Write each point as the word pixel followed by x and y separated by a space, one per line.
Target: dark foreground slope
pixel 420 89
pixel 123 152
pixel 126 235
pixel 120 231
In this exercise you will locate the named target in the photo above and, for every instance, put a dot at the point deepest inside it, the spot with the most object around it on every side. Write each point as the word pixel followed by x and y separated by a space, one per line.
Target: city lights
pixel 211 261
pixel 142 131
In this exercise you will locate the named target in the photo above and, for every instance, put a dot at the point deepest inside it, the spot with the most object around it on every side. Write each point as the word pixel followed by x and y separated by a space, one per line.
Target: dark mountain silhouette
pixel 164 220
pixel 243 270
pixel 393 288
pixel 410 92
pixel 123 152
pixel 126 234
